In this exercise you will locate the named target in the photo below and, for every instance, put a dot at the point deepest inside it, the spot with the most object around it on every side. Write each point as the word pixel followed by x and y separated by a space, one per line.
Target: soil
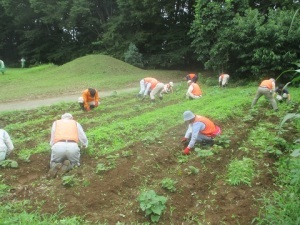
pixel 111 196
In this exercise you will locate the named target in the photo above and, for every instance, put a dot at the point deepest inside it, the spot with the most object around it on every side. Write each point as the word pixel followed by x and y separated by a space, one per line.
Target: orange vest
pixel 66 130
pixel 196 89
pixel 148 79
pixel 154 82
pixel 210 127
pixel 266 83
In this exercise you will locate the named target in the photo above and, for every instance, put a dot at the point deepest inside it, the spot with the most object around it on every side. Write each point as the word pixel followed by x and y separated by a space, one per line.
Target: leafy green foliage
pixel 9 163
pixel 133 57
pixel 69 180
pixel 169 184
pixel 191 170
pixel 240 171
pixel 4 189
pixel 152 204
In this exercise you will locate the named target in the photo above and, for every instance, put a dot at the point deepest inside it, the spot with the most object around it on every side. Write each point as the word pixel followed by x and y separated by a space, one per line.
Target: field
pixel 134 147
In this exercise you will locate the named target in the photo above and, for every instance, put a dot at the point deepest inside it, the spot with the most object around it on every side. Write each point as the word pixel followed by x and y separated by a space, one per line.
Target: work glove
pixel 183 140
pixel 186 151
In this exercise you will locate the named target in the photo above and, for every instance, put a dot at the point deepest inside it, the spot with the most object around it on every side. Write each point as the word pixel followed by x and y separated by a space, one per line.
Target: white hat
pixel 67 116
pixel 272 79
pixel 189 81
pixel 188 115
pixel 171 83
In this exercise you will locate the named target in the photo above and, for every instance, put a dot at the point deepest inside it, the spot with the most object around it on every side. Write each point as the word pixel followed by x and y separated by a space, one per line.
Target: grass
pixel 99 71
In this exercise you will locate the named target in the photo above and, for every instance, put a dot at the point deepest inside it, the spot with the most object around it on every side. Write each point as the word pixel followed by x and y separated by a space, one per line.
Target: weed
pixel 191 170
pixel 240 171
pixel 69 180
pixel 9 163
pixel 169 184
pixel 152 204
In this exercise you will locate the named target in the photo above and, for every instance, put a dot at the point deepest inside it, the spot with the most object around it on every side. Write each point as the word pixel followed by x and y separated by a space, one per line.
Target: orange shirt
pixel 88 98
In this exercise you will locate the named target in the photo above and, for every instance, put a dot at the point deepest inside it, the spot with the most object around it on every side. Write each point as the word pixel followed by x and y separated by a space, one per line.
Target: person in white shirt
pixel 223 79
pixel 66 133
pixel 6 145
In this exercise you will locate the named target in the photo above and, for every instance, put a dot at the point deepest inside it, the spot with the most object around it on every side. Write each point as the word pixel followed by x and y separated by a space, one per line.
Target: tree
pixel 133 57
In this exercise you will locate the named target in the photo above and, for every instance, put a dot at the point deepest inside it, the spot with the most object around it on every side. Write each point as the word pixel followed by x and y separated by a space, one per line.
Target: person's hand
pixel 88 109
pixel 183 140
pixel 186 151
pixel 96 104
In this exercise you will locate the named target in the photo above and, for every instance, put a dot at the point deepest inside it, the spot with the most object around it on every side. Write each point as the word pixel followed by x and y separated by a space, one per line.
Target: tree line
pixel 242 37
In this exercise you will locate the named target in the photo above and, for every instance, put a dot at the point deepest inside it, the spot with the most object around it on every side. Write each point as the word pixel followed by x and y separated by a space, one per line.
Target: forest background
pixel 248 39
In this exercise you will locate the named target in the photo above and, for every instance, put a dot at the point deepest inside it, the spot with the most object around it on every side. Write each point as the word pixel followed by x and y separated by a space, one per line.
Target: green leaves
pixel 152 204
pixel 240 171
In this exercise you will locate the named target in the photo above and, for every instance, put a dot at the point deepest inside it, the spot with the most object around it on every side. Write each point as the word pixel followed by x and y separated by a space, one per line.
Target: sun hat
pixel 67 116
pixel 171 83
pixel 188 115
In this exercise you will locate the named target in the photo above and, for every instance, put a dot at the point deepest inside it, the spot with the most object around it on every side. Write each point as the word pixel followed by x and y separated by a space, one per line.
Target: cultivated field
pixel 134 147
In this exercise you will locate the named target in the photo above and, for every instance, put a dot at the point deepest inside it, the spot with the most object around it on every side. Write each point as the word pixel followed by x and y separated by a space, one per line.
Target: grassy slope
pixel 98 71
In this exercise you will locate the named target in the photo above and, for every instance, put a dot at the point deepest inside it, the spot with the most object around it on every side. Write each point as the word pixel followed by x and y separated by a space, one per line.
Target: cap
pixel 189 81
pixel 67 116
pixel 188 115
pixel 272 79
pixel 171 83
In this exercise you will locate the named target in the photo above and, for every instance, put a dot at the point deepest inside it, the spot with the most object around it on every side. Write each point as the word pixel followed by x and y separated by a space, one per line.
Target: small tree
pixel 133 57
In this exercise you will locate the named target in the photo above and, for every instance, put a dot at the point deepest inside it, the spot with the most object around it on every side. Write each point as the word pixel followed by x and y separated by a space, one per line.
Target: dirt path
pixel 24 105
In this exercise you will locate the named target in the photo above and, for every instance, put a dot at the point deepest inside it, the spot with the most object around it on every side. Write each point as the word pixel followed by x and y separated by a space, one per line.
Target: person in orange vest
pixel 266 88
pixel 192 76
pixel 89 100
pixel 66 133
pixel 223 79
pixel 152 88
pixel 194 91
pixel 143 85
pixel 200 129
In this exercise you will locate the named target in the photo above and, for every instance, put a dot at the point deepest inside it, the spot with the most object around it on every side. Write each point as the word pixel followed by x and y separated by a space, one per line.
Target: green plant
pixel 9 163
pixel 69 180
pixel 169 184
pixel 152 204
pixel 4 189
pixel 240 171
pixel 191 170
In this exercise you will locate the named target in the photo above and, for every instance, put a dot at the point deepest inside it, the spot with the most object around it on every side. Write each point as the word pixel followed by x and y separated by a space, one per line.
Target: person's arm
pixel 52 134
pixel 8 143
pixel 196 128
pixel 273 87
pixel 82 136
pixel 147 89
pixel 85 100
